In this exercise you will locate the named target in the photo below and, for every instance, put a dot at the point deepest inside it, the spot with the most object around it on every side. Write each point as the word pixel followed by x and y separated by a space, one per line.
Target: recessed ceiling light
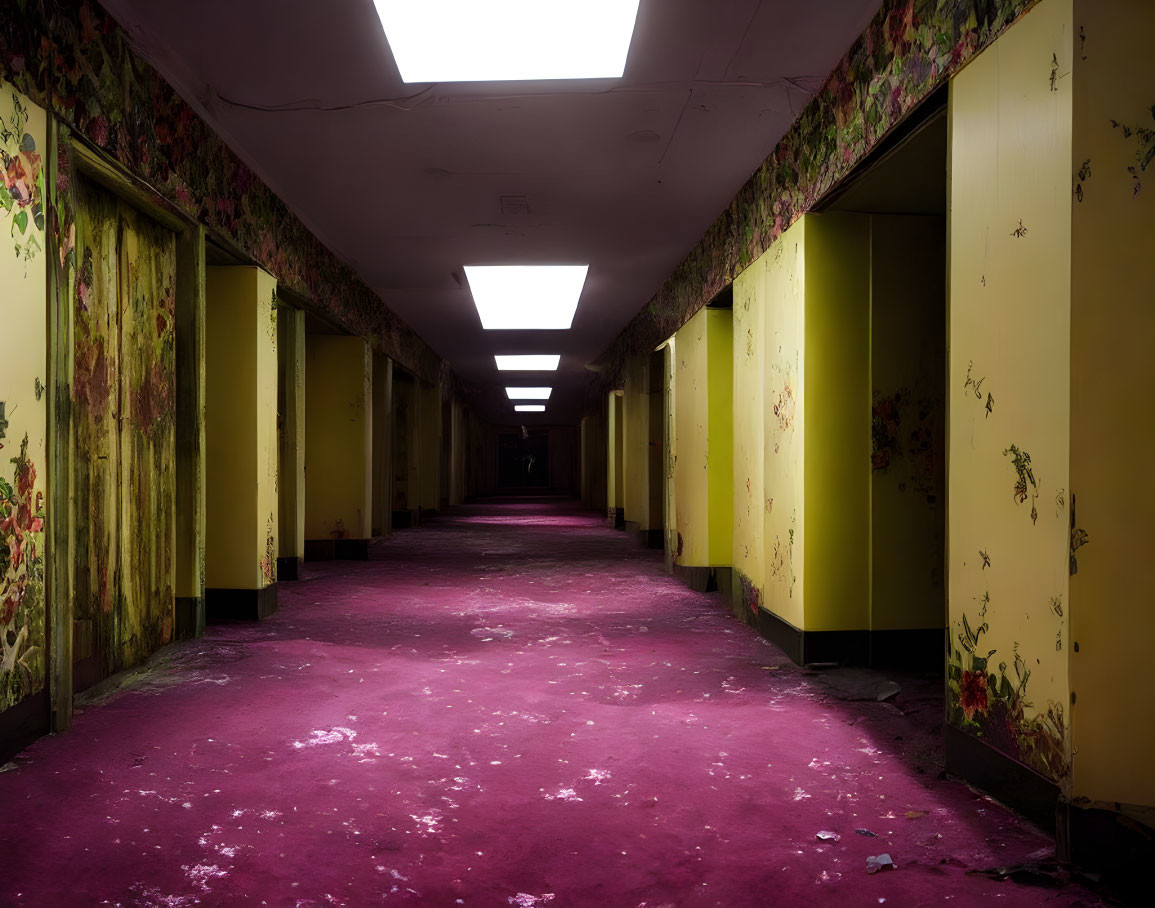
pixel 528 393
pixel 508 40
pixel 546 362
pixel 530 408
pixel 526 296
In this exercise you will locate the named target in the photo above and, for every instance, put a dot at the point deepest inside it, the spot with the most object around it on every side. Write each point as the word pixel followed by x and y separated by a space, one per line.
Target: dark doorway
pixel 523 460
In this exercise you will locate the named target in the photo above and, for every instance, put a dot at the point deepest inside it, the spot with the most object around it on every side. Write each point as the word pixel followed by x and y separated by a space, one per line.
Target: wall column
pixel 338 447
pixel 241 442
pixel 382 522
pixel 291 423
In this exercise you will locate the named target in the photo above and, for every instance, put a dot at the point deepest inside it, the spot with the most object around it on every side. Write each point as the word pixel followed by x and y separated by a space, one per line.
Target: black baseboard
pixel 616 518
pixel 352 549
pixel 704 579
pixel 651 539
pixel 240 605
pixel 1116 841
pixel 1009 781
pixel 403 520
pixel 923 649
pixel 22 724
pixel 288 568
pixel 190 617
pixel 337 549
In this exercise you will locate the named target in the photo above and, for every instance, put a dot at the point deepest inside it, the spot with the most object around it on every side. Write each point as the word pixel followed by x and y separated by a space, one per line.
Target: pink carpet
pixel 510 706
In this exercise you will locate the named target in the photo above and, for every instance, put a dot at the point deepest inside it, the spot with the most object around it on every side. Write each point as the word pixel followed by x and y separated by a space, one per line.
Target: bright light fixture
pixel 526 296
pixel 507 40
pixel 530 408
pixel 528 393
pixel 546 362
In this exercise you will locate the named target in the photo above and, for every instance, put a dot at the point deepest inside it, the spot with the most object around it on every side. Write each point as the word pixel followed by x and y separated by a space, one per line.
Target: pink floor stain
pixel 511 705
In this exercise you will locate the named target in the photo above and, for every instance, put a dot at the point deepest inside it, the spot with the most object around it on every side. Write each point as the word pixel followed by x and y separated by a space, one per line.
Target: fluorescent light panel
pixel 508 40
pixel 526 296
pixel 530 408
pixel 528 393
pixel 535 362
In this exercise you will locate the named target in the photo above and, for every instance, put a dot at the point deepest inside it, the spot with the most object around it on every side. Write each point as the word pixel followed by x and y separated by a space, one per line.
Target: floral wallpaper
pixel 908 49
pixel 23 404
pixel 72 57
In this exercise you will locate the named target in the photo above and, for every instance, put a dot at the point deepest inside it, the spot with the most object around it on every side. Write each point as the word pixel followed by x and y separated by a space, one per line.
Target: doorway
pixel 902 190
pixel 124 429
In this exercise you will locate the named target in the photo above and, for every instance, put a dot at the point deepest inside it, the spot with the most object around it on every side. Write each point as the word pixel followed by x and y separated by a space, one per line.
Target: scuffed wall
pixel 123 295
pixel 23 403
pixel 1112 586
pixel 905 53
pixel 1009 392
pixel 73 58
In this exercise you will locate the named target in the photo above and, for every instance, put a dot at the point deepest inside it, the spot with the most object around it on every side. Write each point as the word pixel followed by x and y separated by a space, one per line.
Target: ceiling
pixel 408 183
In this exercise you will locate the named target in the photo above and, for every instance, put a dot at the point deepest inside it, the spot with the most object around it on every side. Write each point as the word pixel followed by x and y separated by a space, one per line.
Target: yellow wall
pixel 23 364
pixel 382 446
pixel 749 506
pixel 338 437
pixel 615 474
pixel 636 444
pixel 1009 340
pixel 779 276
pixel 406 444
pixel 291 425
pixel 703 457
pixel 907 366
pixel 1112 384
pixel 241 428
pixel 430 446
pixel 837 426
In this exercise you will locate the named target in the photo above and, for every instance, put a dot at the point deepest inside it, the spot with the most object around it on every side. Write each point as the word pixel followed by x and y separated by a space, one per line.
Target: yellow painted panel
pixel 265 425
pixel 907 365
pixel 291 425
pixel 837 426
pixel 749 434
pixel 1112 384
pixel 338 437
pixel 430 447
pixel 240 428
pixel 636 444
pixel 691 476
pixel 780 274
pixel 720 432
pixel 23 404
pixel 1009 390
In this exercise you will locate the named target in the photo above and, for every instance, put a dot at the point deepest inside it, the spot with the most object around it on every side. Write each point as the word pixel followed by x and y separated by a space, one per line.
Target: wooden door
pixel 124 428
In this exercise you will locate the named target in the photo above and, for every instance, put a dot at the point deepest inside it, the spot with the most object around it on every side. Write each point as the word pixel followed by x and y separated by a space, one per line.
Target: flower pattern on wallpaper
pixel 906 52
pixel 21 186
pixel 992 701
pixel 21 581
pixel 71 56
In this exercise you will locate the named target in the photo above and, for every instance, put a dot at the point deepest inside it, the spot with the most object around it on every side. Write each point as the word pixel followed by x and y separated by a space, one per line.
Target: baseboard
pixel 288 568
pixel 240 605
pixel 1005 779
pixel 1116 841
pixel 403 520
pixel 22 724
pixel 190 617
pixel 616 518
pixel 352 549
pixel 651 539
pixel 923 649
pixel 704 579
pixel 905 649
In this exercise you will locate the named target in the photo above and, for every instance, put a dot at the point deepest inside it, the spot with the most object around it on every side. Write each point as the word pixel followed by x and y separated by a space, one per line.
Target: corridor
pixel 510 705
